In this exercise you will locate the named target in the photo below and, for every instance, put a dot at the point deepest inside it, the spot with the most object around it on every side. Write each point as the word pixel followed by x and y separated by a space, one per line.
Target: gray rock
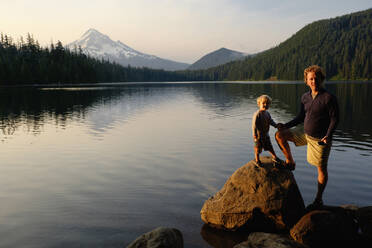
pixel 261 199
pixel 269 240
pixel 160 237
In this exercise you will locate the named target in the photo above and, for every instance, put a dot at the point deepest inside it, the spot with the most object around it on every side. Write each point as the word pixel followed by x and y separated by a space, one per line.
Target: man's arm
pixel 298 119
pixel 333 112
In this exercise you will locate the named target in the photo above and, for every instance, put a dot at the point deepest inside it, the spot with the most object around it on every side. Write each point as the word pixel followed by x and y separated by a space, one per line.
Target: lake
pixel 99 165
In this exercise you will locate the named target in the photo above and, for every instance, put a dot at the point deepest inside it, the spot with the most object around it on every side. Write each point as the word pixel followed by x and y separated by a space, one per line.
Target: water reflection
pixel 163 150
pixel 31 108
pixel 218 238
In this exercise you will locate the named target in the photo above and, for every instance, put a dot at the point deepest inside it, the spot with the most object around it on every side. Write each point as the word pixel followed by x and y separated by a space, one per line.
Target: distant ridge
pixel 218 57
pixel 341 45
pixel 98 45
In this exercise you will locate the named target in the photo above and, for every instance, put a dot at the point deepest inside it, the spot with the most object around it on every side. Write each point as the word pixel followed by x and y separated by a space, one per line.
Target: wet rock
pixel 364 216
pixel 160 237
pixel 326 228
pixel 260 199
pixel 269 240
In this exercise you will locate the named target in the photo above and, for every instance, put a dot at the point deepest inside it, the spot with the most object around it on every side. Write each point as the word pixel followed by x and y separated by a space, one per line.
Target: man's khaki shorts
pixel 316 154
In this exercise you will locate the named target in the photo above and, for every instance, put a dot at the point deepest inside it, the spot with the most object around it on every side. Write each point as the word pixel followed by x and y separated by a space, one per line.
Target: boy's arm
pixel 272 122
pixel 254 126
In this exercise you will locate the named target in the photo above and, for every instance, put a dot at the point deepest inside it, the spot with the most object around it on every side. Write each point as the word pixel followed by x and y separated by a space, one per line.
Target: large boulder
pixel 260 199
pixel 269 240
pixel 326 228
pixel 160 237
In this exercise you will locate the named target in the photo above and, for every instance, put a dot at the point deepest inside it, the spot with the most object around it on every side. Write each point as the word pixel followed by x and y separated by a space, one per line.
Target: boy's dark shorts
pixel 264 142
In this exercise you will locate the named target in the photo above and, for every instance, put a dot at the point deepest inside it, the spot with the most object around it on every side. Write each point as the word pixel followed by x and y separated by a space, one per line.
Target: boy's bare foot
pixel 277 162
pixel 258 163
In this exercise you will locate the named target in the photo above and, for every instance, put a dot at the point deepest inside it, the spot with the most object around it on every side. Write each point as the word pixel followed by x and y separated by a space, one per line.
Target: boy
pixel 261 122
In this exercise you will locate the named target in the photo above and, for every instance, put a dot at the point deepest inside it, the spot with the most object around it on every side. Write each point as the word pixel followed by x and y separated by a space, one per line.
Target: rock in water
pixel 160 237
pixel 269 240
pixel 261 199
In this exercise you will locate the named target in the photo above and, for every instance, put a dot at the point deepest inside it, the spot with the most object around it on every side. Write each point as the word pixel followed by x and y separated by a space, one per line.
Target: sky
pixel 180 30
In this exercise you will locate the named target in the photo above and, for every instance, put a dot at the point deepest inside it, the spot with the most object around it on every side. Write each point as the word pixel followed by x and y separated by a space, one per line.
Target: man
pixel 319 114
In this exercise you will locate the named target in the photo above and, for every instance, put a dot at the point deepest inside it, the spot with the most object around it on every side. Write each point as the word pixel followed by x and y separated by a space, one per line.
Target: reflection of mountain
pixel 131 101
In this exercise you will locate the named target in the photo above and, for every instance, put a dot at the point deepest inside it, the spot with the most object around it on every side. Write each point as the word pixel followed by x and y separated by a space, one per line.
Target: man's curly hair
pixel 318 72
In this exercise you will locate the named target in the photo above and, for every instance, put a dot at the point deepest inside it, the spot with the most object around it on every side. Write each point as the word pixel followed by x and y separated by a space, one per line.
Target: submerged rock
pixel 269 240
pixel 261 199
pixel 160 237
pixel 219 238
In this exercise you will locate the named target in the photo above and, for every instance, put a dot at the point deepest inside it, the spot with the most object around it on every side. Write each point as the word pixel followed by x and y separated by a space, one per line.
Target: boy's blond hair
pixel 264 98
pixel 318 72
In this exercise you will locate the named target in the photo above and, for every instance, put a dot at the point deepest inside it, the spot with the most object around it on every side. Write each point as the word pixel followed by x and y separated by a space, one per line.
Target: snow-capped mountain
pixel 96 44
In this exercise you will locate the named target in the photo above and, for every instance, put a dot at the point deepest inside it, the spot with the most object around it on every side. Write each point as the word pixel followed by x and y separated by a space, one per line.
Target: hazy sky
pixel 181 30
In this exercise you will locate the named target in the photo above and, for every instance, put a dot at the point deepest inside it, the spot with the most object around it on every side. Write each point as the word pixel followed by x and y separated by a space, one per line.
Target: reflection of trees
pixel 32 108
pixel 354 101
pixel 226 96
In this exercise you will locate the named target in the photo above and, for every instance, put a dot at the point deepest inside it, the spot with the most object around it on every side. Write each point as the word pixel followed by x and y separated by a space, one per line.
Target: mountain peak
pixel 93 33
pixel 218 57
pixel 99 45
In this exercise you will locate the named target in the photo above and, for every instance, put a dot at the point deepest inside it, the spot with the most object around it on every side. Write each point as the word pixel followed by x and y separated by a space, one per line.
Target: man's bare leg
pixel 322 182
pixel 282 137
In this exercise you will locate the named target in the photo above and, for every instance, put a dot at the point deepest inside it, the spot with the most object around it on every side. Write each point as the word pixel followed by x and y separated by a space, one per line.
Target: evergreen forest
pixel 26 62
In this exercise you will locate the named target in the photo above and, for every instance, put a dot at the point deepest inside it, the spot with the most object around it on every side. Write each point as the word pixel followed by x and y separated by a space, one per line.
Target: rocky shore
pixel 265 206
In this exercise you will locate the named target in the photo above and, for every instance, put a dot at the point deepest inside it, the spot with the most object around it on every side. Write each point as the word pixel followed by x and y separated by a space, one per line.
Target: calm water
pixel 99 166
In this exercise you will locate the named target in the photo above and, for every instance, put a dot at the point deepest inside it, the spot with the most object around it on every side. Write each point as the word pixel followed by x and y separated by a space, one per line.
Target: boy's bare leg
pixel 273 154
pixel 282 137
pixel 256 154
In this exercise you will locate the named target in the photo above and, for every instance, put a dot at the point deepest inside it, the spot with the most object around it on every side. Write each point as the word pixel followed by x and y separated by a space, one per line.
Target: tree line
pixel 26 62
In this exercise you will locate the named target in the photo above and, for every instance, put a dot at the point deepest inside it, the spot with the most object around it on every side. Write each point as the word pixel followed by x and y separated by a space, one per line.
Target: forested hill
pixel 341 45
